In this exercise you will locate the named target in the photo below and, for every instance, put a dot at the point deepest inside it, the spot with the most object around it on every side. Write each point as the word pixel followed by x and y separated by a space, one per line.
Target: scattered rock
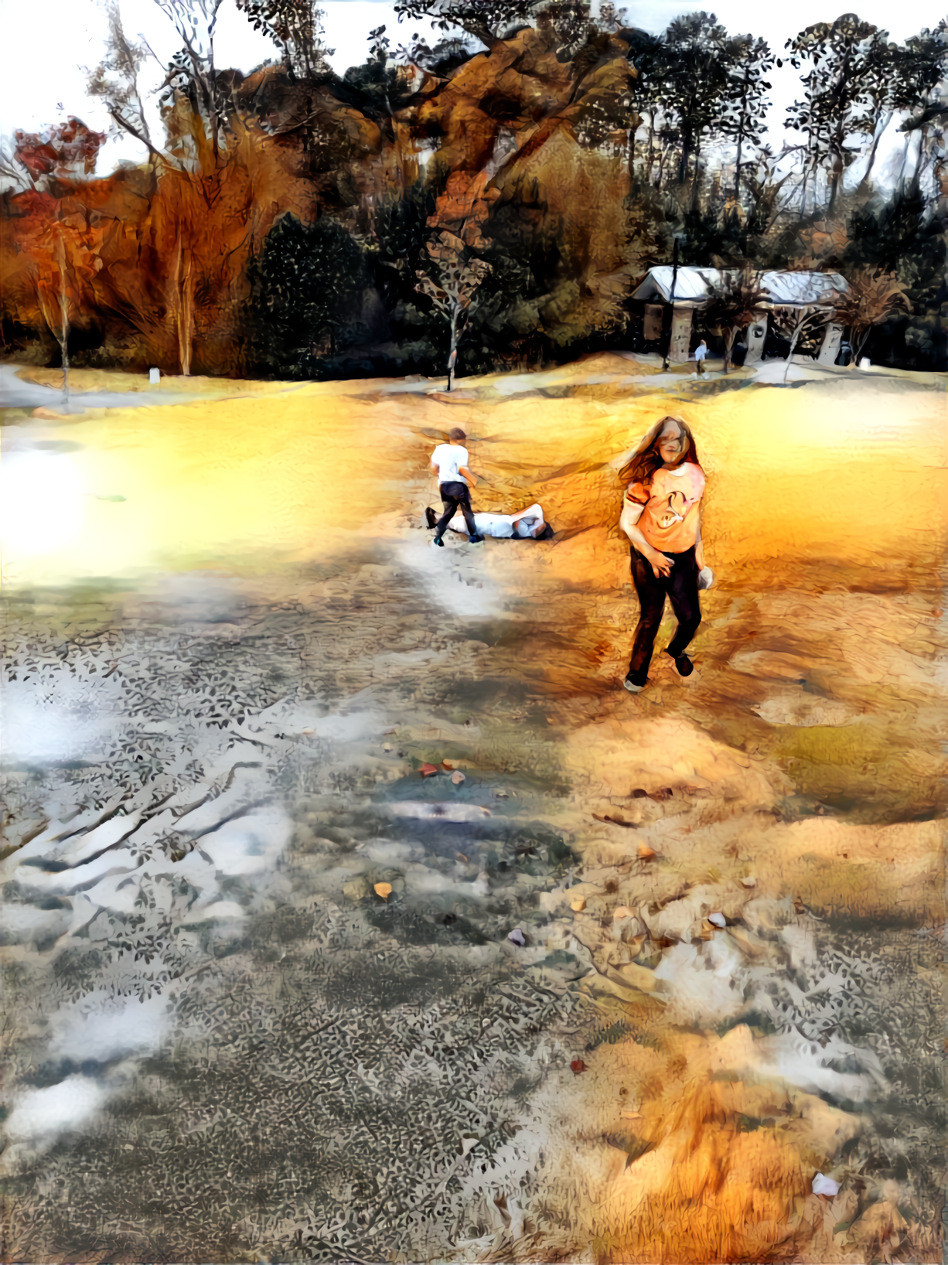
pixel 717 920
pixel 748 881
pixel 517 937
pixel 48 415
pixel 825 1186
pixel 646 853
pixel 501 795
pixel 439 811
pixel 449 764
pixel 459 856
pixel 383 889
pixel 457 778
pixel 578 905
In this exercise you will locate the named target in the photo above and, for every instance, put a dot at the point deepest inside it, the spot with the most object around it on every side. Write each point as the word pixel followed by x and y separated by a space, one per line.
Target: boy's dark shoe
pixel 475 540
pixel 438 541
pixel 683 665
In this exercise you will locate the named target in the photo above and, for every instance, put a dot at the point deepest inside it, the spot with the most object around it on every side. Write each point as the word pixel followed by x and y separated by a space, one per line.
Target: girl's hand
pixel 660 564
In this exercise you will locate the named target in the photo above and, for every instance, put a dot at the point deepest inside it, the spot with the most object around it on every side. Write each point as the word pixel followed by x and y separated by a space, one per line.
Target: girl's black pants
pixel 681 589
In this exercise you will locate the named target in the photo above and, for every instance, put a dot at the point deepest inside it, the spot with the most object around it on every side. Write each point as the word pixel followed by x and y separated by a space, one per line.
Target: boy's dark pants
pixel 454 497
pixel 681 588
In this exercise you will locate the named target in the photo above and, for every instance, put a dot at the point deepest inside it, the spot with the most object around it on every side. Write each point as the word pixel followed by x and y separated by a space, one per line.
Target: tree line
pixel 489 200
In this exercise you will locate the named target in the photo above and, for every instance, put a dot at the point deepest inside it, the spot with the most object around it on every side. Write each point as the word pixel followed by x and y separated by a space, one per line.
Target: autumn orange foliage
pixel 166 253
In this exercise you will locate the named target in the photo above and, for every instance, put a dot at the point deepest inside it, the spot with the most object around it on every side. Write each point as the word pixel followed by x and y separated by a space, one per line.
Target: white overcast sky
pixel 48 44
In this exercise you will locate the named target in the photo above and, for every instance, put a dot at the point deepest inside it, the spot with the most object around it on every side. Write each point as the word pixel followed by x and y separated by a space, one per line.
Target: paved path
pixel 17 393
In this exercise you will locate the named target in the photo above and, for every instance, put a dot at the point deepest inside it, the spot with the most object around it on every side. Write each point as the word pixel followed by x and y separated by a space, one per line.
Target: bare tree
pixel 454 272
pixel 196 24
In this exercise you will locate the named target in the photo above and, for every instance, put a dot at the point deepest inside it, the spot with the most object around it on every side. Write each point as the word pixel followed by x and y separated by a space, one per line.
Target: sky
pixel 51 44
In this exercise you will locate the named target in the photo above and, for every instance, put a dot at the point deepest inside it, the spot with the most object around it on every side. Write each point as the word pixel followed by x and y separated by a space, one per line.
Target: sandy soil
pixel 231 650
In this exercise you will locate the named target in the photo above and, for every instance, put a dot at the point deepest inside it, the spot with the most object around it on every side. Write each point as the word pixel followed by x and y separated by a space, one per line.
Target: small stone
pixel 500 795
pixel 578 905
pixel 386 746
pixel 449 764
pixel 459 856
pixel 646 853
pixel 307 731
pixel 717 920
pixel 428 770
pixel 517 937
pixel 577 1066
pixel 457 778
pixel 825 1186
pixel 622 911
pixel 748 881
pixel 383 889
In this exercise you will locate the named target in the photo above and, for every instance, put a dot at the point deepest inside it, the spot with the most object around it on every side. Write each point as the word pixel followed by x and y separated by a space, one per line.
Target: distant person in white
pixel 701 352
pixel 451 462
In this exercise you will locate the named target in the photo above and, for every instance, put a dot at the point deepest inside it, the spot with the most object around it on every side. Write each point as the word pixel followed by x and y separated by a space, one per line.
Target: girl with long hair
pixel 661 515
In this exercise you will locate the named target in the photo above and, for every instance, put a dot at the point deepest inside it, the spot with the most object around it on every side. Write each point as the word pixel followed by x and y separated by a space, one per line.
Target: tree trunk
pixel 794 339
pixel 453 354
pixel 685 155
pixel 650 156
pixel 876 138
pixel 729 338
pixel 696 182
pixel 182 299
pixel 63 313
pixel 916 184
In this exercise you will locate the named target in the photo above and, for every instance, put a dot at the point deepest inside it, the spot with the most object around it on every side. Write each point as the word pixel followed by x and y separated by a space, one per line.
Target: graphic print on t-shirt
pixel 669 520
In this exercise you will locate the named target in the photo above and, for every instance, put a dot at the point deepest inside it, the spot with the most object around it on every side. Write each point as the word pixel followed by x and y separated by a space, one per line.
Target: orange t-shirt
pixel 669 521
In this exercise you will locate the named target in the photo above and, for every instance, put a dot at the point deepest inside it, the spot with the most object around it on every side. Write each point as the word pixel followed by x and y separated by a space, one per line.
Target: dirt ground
pixel 260 998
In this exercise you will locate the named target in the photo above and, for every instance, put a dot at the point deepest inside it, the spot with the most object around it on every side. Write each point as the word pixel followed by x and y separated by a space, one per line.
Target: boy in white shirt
pixel 701 353
pixel 451 462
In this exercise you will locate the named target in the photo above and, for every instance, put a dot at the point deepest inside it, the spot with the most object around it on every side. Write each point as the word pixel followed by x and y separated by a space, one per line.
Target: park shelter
pixel 685 289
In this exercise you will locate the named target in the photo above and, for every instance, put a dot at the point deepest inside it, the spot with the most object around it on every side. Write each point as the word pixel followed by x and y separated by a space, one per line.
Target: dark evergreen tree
pixel 308 286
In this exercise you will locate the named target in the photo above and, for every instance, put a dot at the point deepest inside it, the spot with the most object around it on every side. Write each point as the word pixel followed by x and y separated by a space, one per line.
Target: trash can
pixel 738 354
pixel 845 355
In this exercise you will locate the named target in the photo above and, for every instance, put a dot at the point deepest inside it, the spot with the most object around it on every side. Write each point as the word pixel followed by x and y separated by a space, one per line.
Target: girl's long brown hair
pixel 646 459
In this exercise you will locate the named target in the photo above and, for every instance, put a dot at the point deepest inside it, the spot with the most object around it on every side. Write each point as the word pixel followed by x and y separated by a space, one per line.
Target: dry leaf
pixel 383 889
pixel 646 853
pixel 578 905
pixel 427 770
